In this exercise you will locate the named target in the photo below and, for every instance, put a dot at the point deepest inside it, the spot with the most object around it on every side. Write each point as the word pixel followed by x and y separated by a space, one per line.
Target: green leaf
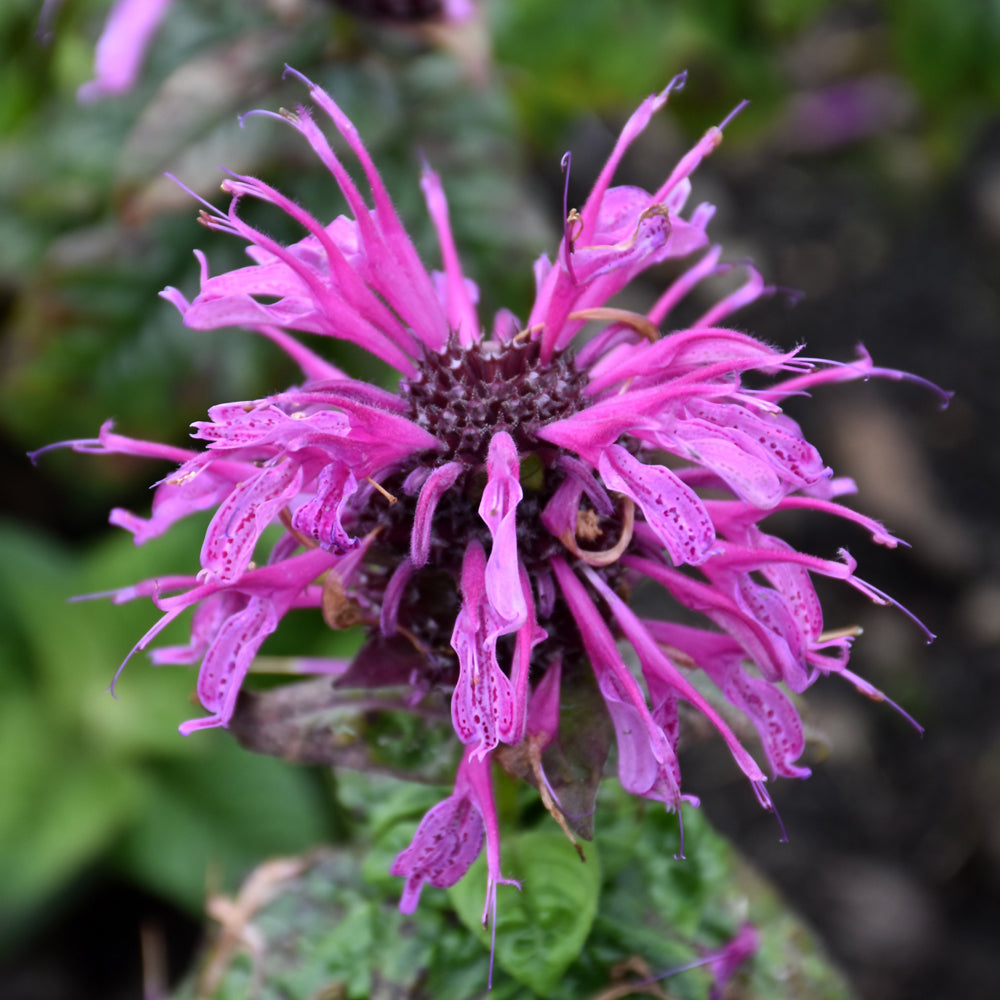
pixel 541 929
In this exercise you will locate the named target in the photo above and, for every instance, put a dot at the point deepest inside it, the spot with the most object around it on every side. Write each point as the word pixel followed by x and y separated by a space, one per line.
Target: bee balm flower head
pixel 494 512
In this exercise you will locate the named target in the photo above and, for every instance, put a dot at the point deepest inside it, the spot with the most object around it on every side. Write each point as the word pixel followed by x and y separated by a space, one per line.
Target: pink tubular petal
pixel 872 692
pixel 672 509
pixel 543 709
pixel 474 773
pixel 771 652
pixel 644 408
pixel 653 659
pixel 751 290
pixel 772 713
pixel 589 431
pixel 726 960
pixel 109 443
pixel 434 487
pixel 772 438
pixel 498 508
pixel 863 368
pixel 449 838
pixel 636 124
pixel 879 534
pixel 529 635
pixel 336 248
pixel 321 516
pixel 122 47
pixel 209 617
pixel 777 722
pixel 197 485
pixel 280 584
pixel 459 308
pixel 228 659
pixel 394 590
pixel 708 143
pixel 582 474
pixel 404 282
pixel 378 436
pixel 308 299
pixel 678 290
pixel 646 761
pixel 560 513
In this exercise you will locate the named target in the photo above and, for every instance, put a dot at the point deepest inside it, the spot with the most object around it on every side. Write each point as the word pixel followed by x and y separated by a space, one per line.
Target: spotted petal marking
pixel 482 705
pixel 777 722
pixel 321 516
pixel 228 659
pixel 243 516
pixel 671 508
pixel 449 838
pixel 498 509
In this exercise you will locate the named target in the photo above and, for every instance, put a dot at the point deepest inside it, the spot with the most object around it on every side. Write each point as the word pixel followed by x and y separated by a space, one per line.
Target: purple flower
pixel 495 511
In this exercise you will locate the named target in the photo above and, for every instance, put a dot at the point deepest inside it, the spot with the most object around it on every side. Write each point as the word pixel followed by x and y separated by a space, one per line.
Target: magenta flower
pixel 492 514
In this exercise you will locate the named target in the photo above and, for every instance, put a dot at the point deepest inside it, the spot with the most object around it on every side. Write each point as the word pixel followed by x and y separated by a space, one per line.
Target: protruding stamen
pixel 832 635
pixel 381 489
pixel 569 237
pixel 641 324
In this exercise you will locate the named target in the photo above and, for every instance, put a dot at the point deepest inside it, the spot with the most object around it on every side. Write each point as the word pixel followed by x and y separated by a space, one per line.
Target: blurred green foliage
pixel 89 778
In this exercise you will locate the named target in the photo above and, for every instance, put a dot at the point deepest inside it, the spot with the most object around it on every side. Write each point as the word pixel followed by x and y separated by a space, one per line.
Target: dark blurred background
pixel 865 174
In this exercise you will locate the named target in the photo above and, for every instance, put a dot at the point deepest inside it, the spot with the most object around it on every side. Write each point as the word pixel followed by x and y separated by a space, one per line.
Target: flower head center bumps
pixel 465 395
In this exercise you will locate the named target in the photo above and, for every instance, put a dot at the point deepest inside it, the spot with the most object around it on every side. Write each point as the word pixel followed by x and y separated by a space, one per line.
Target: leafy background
pixel 866 173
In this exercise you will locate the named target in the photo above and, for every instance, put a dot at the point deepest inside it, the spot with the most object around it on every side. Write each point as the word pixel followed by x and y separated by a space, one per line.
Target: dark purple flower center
pixel 464 396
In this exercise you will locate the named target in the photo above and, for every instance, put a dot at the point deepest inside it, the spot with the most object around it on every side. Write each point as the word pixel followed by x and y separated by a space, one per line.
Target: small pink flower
pixel 498 507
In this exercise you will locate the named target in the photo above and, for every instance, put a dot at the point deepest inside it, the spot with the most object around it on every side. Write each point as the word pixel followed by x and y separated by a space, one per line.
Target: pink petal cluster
pixel 496 510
